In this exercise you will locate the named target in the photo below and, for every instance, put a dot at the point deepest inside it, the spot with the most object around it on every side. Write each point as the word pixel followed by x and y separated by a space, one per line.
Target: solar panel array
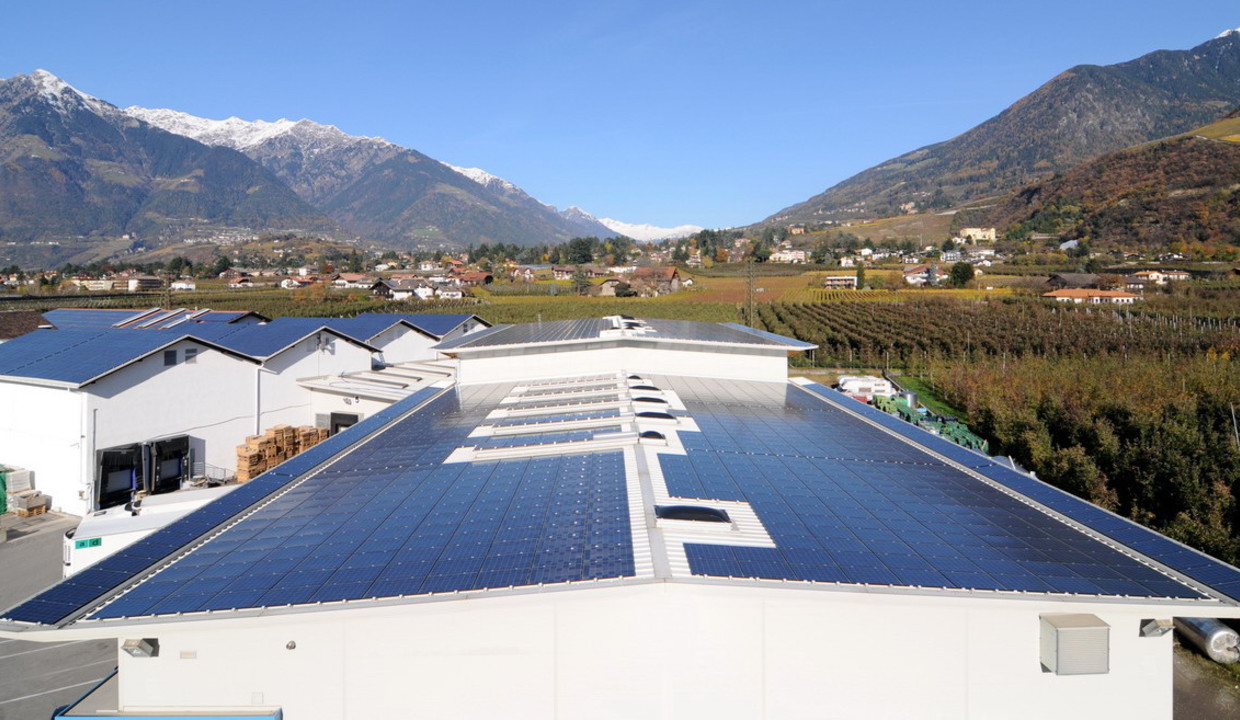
pixel 845 503
pixel 437 324
pixel 77 355
pixel 1203 568
pixel 70 596
pixel 390 520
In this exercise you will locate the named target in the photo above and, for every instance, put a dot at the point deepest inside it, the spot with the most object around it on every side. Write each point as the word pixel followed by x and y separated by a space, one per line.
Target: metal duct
pixel 1218 641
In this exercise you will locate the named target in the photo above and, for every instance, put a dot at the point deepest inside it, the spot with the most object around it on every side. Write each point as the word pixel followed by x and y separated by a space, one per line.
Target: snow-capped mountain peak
pixel 241 134
pixel 1225 33
pixel 484 178
pixel 61 94
pixel 650 233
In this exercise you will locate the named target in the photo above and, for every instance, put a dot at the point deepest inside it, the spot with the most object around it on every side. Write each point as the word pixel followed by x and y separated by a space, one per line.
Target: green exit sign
pixel 87 543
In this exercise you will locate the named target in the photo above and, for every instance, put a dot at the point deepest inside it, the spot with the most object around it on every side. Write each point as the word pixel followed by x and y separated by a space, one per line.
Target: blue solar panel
pixel 101 578
pixel 433 323
pixel 77 355
pixel 860 508
pixel 421 526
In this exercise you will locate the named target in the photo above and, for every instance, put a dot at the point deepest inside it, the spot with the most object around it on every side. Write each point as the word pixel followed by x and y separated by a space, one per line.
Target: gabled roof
pixel 437 324
pixel 145 319
pixel 80 356
pixel 270 339
pixel 368 325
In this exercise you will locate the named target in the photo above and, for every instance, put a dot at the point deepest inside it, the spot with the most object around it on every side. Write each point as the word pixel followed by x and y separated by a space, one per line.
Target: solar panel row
pixel 67 598
pixel 1205 569
pixel 846 504
pixel 388 520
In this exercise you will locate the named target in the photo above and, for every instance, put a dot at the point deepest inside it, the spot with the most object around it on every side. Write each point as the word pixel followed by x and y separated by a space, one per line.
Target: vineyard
pixel 912 334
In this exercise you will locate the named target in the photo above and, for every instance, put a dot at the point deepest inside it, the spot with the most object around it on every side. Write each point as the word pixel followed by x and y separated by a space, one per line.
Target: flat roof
pixel 620 328
pixel 487 488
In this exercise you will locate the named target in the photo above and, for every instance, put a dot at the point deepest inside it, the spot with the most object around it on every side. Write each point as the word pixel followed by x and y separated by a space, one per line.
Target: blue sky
pixel 713 113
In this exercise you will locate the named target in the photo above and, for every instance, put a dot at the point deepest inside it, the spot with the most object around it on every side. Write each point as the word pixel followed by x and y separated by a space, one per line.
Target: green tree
pixel 961 274
pixel 860 275
pixel 581 280
pixel 579 251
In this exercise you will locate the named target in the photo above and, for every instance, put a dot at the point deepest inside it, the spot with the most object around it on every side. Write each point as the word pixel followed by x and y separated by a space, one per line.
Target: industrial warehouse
pixel 619 518
pixel 114 401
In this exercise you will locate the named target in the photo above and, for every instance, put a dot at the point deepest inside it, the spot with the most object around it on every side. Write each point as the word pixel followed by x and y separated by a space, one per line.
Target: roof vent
pixel 696 513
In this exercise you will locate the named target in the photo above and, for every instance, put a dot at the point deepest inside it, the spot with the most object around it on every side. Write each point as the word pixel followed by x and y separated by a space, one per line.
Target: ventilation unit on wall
pixel 1075 644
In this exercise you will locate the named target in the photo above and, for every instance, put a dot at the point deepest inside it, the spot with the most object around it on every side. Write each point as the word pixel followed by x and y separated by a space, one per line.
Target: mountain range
pixel 82 179
pixel 1179 193
pixel 78 175
pixel 1078 115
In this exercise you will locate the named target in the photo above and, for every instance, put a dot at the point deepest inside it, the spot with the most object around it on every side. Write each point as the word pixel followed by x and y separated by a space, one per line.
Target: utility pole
pixel 749 287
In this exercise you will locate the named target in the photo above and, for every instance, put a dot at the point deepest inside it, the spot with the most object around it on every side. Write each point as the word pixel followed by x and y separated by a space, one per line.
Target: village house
pixel 922 276
pixel 402 289
pixel 656 280
pixel 978 234
pixel 788 256
pixel 834 282
pixel 1092 297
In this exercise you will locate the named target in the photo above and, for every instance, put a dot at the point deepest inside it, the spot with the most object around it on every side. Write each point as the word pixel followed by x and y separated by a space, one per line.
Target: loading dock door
pixel 169 464
pixel 119 475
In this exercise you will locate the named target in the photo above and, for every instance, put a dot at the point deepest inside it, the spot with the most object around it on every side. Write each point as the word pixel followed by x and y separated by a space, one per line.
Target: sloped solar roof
pixel 368 325
pixel 104 318
pixel 414 508
pixel 79 356
pixel 436 324
pixel 262 341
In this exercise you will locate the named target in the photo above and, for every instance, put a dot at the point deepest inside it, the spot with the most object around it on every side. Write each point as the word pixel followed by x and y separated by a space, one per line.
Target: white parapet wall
pixel 656 650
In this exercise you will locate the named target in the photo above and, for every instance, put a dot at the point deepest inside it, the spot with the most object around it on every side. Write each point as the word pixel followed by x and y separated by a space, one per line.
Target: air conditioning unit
pixel 1075 644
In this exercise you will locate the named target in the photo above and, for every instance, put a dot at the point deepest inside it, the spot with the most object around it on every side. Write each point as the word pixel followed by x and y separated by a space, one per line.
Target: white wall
pixel 719 363
pixel 41 429
pixel 402 344
pixel 656 650
pixel 283 401
pixel 210 399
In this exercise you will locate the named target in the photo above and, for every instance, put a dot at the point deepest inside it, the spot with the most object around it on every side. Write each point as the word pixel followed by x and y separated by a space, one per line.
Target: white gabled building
pixel 125 401
pixel 623 518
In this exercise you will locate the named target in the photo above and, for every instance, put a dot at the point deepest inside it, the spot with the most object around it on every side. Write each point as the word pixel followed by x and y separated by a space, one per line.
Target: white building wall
pixel 657 650
pixel 41 429
pixel 741 366
pixel 282 400
pixel 210 399
pixel 402 344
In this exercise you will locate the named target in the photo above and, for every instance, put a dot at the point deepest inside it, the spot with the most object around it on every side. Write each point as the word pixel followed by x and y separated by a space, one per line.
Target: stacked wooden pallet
pixel 260 453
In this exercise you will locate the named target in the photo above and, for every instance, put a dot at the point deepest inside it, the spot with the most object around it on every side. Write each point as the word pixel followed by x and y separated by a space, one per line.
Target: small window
pixel 643 387
pixel 170 358
pixel 653 435
pixel 696 513
pixel 650 400
pixel 191 355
